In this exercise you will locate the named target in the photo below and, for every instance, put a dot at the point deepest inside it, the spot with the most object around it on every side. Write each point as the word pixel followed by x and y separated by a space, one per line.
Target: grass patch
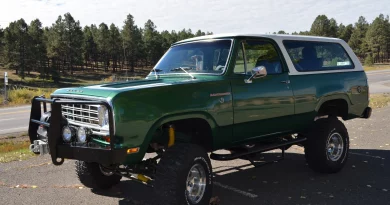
pixel 379 100
pixel 377 67
pixel 15 151
pixel 24 95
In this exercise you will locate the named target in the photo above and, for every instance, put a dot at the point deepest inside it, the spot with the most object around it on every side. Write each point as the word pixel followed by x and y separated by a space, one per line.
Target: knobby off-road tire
pixel 173 181
pixel 90 175
pixel 327 147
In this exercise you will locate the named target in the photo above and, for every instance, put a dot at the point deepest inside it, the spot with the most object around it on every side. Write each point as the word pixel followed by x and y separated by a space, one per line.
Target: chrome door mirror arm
pixel 257 72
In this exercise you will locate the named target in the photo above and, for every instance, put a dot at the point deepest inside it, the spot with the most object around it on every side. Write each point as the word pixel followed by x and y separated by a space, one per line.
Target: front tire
pixel 92 175
pixel 327 146
pixel 184 176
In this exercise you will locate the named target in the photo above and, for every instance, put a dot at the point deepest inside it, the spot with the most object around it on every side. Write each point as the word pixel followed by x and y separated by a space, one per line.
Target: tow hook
pixel 39 147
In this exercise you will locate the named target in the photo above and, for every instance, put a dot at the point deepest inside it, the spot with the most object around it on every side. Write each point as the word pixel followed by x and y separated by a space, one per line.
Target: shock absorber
pixel 171 133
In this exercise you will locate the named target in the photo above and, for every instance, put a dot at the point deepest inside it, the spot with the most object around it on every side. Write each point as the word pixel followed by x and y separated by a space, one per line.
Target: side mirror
pixel 257 72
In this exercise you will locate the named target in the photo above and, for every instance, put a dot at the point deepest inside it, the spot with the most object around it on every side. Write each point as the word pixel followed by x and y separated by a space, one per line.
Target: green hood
pixel 111 89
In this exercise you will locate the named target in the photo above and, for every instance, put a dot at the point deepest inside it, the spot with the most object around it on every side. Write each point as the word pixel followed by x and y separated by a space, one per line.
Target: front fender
pixel 133 158
pixel 182 116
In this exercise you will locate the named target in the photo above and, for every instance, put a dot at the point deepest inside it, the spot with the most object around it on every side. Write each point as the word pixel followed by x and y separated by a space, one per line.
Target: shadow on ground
pixel 364 180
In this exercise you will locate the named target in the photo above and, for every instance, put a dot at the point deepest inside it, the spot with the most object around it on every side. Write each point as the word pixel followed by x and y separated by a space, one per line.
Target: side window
pixel 317 56
pixel 239 67
pixel 262 53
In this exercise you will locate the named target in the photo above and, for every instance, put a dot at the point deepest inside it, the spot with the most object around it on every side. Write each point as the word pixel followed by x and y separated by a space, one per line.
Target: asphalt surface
pixel 14 120
pixel 364 180
pixel 379 81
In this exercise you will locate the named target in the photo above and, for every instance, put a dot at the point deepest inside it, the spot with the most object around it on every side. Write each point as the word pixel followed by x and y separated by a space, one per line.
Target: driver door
pixel 261 108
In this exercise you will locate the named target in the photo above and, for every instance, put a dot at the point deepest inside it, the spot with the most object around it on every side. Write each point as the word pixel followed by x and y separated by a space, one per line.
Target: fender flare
pixel 327 98
pixel 181 116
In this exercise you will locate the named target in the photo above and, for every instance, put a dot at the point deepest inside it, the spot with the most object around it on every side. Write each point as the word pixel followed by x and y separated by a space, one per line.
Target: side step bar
pixel 265 148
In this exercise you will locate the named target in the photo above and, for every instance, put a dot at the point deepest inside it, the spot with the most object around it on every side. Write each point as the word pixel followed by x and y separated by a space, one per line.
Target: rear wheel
pixel 326 149
pixel 183 176
pixel 93 175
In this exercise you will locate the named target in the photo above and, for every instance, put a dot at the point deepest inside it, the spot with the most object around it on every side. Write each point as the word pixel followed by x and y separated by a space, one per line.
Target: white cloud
pixel 251 16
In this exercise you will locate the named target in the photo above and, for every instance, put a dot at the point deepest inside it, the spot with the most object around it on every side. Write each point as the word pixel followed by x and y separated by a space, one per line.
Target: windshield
pixel 195 57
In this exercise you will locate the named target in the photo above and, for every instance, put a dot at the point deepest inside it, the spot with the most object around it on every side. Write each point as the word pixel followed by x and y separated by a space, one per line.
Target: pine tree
pixel 153 42
pixel 322 26
pixel 1 45
pixel 333 28
pixel 73 36
pixel 115 46
pixel 102 41
pixel 345 32
pixel 16 48
pixel 56 47
pixel 200 33
pixel 38 48
pixel 377 37
pixel 132 41
pixel 89 47
pixel 357 40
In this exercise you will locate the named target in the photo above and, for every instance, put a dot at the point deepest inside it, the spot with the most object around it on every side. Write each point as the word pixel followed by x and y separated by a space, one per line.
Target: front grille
pixel 81 113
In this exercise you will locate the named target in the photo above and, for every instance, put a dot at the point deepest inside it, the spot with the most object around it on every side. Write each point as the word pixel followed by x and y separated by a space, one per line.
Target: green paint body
pixel 237 112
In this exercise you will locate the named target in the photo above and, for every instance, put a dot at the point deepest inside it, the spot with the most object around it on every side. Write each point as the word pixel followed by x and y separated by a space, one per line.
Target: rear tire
pixel 178 174
pixel 91 175
pixel 327 146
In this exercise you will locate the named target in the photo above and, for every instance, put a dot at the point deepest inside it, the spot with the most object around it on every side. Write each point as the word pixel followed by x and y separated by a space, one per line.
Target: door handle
pixel 285 81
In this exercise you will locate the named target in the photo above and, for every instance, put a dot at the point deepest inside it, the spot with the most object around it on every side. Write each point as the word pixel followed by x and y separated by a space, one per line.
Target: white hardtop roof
pixel 271 36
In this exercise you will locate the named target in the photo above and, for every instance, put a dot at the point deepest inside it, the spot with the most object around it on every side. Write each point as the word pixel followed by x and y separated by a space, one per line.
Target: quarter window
pixel 317 56
pixel 239 67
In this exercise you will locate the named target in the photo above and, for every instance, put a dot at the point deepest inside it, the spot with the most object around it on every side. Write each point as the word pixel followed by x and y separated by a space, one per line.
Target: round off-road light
pixel 81 134
pixel 67 134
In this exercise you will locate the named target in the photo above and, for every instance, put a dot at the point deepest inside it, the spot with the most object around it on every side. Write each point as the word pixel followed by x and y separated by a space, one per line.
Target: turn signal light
pixel 107 138
pixel 133 150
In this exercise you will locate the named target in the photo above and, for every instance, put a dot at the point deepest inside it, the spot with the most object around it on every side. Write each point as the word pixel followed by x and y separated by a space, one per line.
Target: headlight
pixel 103 116
pixel 81 134
pixel 67 134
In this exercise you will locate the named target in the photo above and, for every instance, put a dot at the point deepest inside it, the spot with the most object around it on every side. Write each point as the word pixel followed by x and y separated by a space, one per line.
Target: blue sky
pixel 219 16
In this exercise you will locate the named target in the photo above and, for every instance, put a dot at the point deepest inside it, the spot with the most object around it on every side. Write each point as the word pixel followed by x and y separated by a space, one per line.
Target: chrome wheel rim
pixel 335 147
pixel 196 183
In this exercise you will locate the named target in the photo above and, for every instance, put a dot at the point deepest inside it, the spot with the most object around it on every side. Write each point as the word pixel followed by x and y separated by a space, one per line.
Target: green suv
pixel 243 93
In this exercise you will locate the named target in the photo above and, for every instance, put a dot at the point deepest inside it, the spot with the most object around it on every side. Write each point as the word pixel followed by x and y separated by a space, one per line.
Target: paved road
pixel 16 119
pixel 379 81
pixel 365 179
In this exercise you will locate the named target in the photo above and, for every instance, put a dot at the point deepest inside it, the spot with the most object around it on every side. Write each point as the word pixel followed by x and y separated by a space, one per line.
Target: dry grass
pixel 24 95
pixel 379 100
pixel 15 151
pixel 377 67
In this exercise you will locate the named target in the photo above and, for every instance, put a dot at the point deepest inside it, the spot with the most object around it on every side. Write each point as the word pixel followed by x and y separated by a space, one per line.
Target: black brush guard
pixel 57 149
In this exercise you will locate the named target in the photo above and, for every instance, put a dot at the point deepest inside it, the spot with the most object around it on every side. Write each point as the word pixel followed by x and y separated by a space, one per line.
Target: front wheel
pixel 184 176
pixel 326 149
pixel 93 175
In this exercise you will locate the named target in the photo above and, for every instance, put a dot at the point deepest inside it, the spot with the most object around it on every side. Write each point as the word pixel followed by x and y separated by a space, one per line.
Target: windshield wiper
pixel 181 68
pixel 185 70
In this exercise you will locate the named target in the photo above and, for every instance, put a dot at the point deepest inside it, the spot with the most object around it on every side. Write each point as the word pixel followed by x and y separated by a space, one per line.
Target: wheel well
pixel 337 107
pixel 193 130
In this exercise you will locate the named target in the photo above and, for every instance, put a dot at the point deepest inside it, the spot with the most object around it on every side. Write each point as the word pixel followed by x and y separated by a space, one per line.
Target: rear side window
pixel 317 56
